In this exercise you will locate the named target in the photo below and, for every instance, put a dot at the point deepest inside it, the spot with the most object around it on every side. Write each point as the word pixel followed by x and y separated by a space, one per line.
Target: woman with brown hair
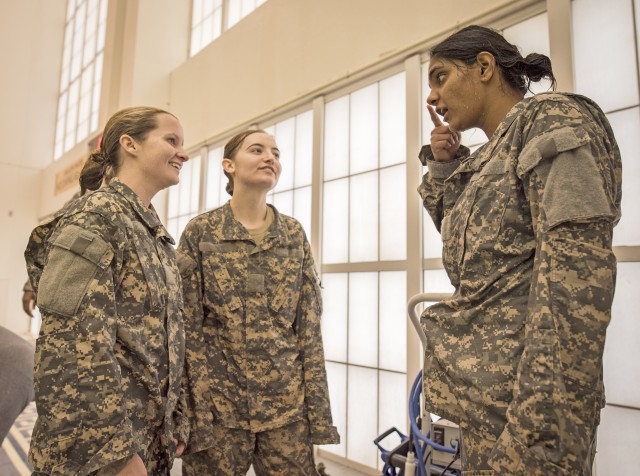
pixel 110 352
pixel 255 362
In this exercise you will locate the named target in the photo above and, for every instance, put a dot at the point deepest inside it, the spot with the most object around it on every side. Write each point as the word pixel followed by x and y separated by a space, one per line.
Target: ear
pixel 128 144
pixel 487 65
pixel 228 165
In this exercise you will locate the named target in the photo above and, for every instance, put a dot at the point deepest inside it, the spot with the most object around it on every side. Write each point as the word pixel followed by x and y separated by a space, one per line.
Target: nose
pixel 432 99
pixel 183 155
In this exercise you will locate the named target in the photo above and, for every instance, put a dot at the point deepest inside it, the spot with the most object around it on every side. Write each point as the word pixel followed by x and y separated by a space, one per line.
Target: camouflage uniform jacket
pixel 515 354
pixel 110 352
pixel 255 359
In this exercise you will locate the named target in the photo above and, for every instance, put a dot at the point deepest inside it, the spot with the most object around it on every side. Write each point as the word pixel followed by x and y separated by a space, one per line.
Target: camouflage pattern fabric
pixel 515 355
pixel 110 352
pixel 35 253
pixel 285 451
pixel 254 358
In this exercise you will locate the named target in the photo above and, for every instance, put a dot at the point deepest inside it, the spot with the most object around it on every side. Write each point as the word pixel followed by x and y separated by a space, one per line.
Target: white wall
pixel 31 36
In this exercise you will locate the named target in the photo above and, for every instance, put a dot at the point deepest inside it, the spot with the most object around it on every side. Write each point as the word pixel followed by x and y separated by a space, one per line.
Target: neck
pixel 250 209
pixel 139 186
pixel 501 104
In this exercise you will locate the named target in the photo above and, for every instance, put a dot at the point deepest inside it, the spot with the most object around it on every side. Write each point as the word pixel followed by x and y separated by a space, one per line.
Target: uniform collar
pixel 231 229
pixel 147 215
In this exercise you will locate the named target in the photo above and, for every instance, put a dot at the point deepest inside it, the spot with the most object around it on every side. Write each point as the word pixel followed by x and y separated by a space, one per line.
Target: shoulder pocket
pixel 75 257
pixel 549 145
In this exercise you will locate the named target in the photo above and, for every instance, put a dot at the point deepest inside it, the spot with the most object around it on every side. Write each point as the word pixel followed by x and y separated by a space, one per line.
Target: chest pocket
pixel 220 285
pixel 153 270
pixel 286 271
pixel 471 230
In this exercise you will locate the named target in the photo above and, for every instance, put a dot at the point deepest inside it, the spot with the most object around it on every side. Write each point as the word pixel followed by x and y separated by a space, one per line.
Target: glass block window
pixel 364 209
pixel 184 198
pixel 81 75
pixel 206 23
pixel 292 195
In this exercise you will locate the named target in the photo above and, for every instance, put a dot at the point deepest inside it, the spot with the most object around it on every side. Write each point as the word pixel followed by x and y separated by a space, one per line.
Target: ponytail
pixel 93 172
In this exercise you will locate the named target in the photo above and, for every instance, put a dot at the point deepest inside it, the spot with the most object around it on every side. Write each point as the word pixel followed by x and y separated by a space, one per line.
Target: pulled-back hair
pixel 232 147
pixel 104 163
pixel 465 44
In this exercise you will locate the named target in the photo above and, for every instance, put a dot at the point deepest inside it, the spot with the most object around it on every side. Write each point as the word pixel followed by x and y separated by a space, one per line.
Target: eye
pixel 172 140
pixel 440 77
pixel 276 154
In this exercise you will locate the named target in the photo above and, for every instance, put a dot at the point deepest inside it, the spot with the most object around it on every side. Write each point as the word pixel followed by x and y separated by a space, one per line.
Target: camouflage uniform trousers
pixel 284 451
pixel 475 451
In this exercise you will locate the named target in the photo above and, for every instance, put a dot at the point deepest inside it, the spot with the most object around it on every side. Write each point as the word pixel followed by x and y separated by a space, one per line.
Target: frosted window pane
pixel 285 139
pixel 363 319
pixel 217 23
pixel 207 31
pixel 304 149
pixel 336 139
pixel 283 201
pixel 337 381
pixel 361 416
pixel 393 321
pixel 172 228
pixel 302 208
pixel 173 202
pixel 233 12
pixel 437 281
pixel 335 222
pixel 432 239
pixel 532 36
pixel 194 202
pixel 393 402
pixel 626 125
pixel 393 213
pixel 363 218
pixel 605 33
pixel 393 121
pixel 364 129
pixel 185 188
pixel 427 125
pixel 622 348
pixel 473 137
pixel 182 223
pixel 618 441
pixel 215 178
pixel 334 316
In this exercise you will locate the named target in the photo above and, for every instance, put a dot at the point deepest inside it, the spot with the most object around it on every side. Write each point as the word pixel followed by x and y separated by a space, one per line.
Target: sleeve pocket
pixel 75 257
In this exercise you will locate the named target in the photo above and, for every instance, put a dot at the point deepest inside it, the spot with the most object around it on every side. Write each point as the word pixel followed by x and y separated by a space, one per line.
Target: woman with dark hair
pixel 255 362
pixel 515 354
pixel 110 352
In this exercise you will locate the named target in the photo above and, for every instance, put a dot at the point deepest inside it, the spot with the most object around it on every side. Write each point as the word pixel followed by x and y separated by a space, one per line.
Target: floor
pixel 13 452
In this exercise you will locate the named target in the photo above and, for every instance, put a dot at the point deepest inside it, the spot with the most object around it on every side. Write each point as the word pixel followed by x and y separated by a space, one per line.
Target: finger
pixel 180 449
pixel 26 307
pixel 434 116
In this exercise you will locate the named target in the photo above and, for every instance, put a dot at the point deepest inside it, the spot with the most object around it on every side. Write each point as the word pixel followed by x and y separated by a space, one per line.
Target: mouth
pixel 271 169
pixel 176 165
pixel 442 112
